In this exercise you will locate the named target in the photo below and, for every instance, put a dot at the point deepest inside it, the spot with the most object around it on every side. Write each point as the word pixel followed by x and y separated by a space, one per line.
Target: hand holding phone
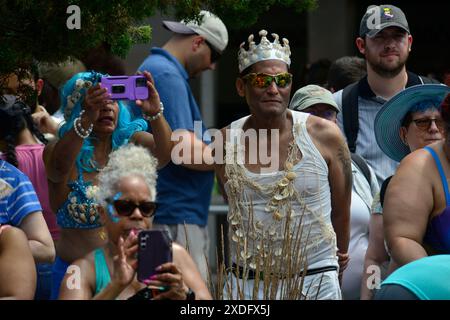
pixel 151 106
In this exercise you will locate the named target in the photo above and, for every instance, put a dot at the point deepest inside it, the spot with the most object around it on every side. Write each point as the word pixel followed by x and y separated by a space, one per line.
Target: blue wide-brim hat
pixel 389 119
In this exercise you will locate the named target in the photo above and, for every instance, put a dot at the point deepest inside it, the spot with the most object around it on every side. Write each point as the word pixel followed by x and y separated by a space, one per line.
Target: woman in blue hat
pixel 409 121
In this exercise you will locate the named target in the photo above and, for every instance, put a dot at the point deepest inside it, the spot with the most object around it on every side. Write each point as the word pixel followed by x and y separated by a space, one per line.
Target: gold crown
pixel 265 50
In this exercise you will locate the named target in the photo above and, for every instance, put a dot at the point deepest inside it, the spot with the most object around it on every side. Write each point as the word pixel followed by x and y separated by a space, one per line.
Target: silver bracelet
pixel 79 130
pixel 156 116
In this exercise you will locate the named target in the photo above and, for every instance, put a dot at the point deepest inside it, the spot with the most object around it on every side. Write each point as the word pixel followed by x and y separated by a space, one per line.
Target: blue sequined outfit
pixel 79 210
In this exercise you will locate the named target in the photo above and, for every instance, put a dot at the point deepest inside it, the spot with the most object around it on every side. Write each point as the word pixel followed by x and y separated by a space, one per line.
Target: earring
pixel 102 234
pixel 405 142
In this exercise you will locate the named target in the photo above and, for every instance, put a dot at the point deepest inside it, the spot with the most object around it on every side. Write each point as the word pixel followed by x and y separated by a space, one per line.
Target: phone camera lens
pixel 118 88
pixel 141 82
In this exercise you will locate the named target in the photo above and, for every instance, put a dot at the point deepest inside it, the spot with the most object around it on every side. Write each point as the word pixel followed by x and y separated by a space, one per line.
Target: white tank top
pixel 299 193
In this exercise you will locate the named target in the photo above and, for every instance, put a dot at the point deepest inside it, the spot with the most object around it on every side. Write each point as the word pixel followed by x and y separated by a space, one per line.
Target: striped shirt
pixel 23 199
pixel 366 144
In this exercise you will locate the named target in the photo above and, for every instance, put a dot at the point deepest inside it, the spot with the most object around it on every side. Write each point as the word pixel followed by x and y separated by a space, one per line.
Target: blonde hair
pixel 129 160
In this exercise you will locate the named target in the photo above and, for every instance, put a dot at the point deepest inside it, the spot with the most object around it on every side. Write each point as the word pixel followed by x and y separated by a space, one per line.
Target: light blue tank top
pixel 102 276
pixel 428 278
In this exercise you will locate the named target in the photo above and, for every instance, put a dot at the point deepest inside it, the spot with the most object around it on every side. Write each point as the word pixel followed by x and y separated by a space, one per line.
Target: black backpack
pixel 350 111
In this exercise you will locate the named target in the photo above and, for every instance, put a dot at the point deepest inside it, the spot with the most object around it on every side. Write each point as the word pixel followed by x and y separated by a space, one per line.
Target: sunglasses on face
pixel 215 55
pixel 425 123
pixel 126 208
pixel 264 80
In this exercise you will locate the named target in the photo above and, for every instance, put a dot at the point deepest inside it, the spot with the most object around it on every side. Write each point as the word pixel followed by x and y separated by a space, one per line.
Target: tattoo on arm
pixel 344 157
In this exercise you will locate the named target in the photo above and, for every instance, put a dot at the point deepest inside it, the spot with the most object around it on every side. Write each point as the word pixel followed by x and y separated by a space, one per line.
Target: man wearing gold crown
pixel 289 209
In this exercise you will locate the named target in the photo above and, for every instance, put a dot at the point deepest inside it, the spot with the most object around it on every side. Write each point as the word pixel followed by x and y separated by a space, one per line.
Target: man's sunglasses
pixel 215 55
pixel 125 208
pixel 264 80
pixel 425 123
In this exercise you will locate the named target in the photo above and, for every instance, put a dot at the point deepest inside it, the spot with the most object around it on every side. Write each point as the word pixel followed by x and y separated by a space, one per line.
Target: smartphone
pixel 155 249
pixel 126 87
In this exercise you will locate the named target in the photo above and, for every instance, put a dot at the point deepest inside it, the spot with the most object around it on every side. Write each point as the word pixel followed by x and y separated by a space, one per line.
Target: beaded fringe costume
pixel 277 244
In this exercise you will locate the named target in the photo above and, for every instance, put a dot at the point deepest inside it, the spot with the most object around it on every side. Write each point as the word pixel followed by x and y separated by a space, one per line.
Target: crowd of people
pixel 336 190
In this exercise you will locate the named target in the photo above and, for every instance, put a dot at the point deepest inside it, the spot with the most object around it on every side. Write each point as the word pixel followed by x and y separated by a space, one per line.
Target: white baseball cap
pixel 211 27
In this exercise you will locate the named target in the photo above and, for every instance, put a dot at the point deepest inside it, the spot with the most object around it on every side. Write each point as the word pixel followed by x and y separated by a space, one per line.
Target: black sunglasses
pixel 126 208
pixel 215 55
pixel 425 123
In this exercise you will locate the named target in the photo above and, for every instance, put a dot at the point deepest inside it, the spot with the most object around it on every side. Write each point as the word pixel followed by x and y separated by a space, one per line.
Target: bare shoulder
pixel 86 267
pixel 140 136
pixel 327 137
pixel 12 237
pixel 87 263
pixel 180 254
pixel 416 175
pixel 415 162
pixel 323 130
pixel 48 150
pixel 84 270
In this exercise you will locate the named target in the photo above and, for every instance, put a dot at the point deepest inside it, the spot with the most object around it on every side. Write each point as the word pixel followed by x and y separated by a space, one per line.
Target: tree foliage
pixel 36 29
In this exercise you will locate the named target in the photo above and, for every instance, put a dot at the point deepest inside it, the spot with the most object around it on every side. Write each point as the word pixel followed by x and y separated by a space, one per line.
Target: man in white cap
pixel 289 216
pixel 184 190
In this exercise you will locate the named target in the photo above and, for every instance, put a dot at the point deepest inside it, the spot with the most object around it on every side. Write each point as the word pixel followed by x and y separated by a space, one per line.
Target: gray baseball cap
pixel 310 95
pixel 211 27
pixel 379 17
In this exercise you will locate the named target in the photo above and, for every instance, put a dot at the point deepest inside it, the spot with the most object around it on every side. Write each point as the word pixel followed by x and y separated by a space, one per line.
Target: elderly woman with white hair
pixel 127 195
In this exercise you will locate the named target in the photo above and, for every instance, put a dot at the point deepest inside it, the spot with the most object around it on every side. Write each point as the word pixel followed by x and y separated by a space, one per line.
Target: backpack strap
pixel 350 114
pixel 384 186
pixel 362 165
pixel 426 80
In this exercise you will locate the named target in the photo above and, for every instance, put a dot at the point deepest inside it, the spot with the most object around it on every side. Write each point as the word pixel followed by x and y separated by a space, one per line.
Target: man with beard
pixel 385 41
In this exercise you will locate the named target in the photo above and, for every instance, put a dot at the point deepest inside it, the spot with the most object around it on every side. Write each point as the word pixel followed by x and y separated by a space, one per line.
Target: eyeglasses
pixel 125 208
pixel 215 55
pixel 425 123
pixel 263 80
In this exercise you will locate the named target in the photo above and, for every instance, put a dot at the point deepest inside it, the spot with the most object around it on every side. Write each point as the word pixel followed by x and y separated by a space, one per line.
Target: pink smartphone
pixel 155 249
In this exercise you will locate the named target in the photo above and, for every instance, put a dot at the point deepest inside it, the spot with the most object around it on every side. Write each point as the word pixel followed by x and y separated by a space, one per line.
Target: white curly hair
pixel 128 160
